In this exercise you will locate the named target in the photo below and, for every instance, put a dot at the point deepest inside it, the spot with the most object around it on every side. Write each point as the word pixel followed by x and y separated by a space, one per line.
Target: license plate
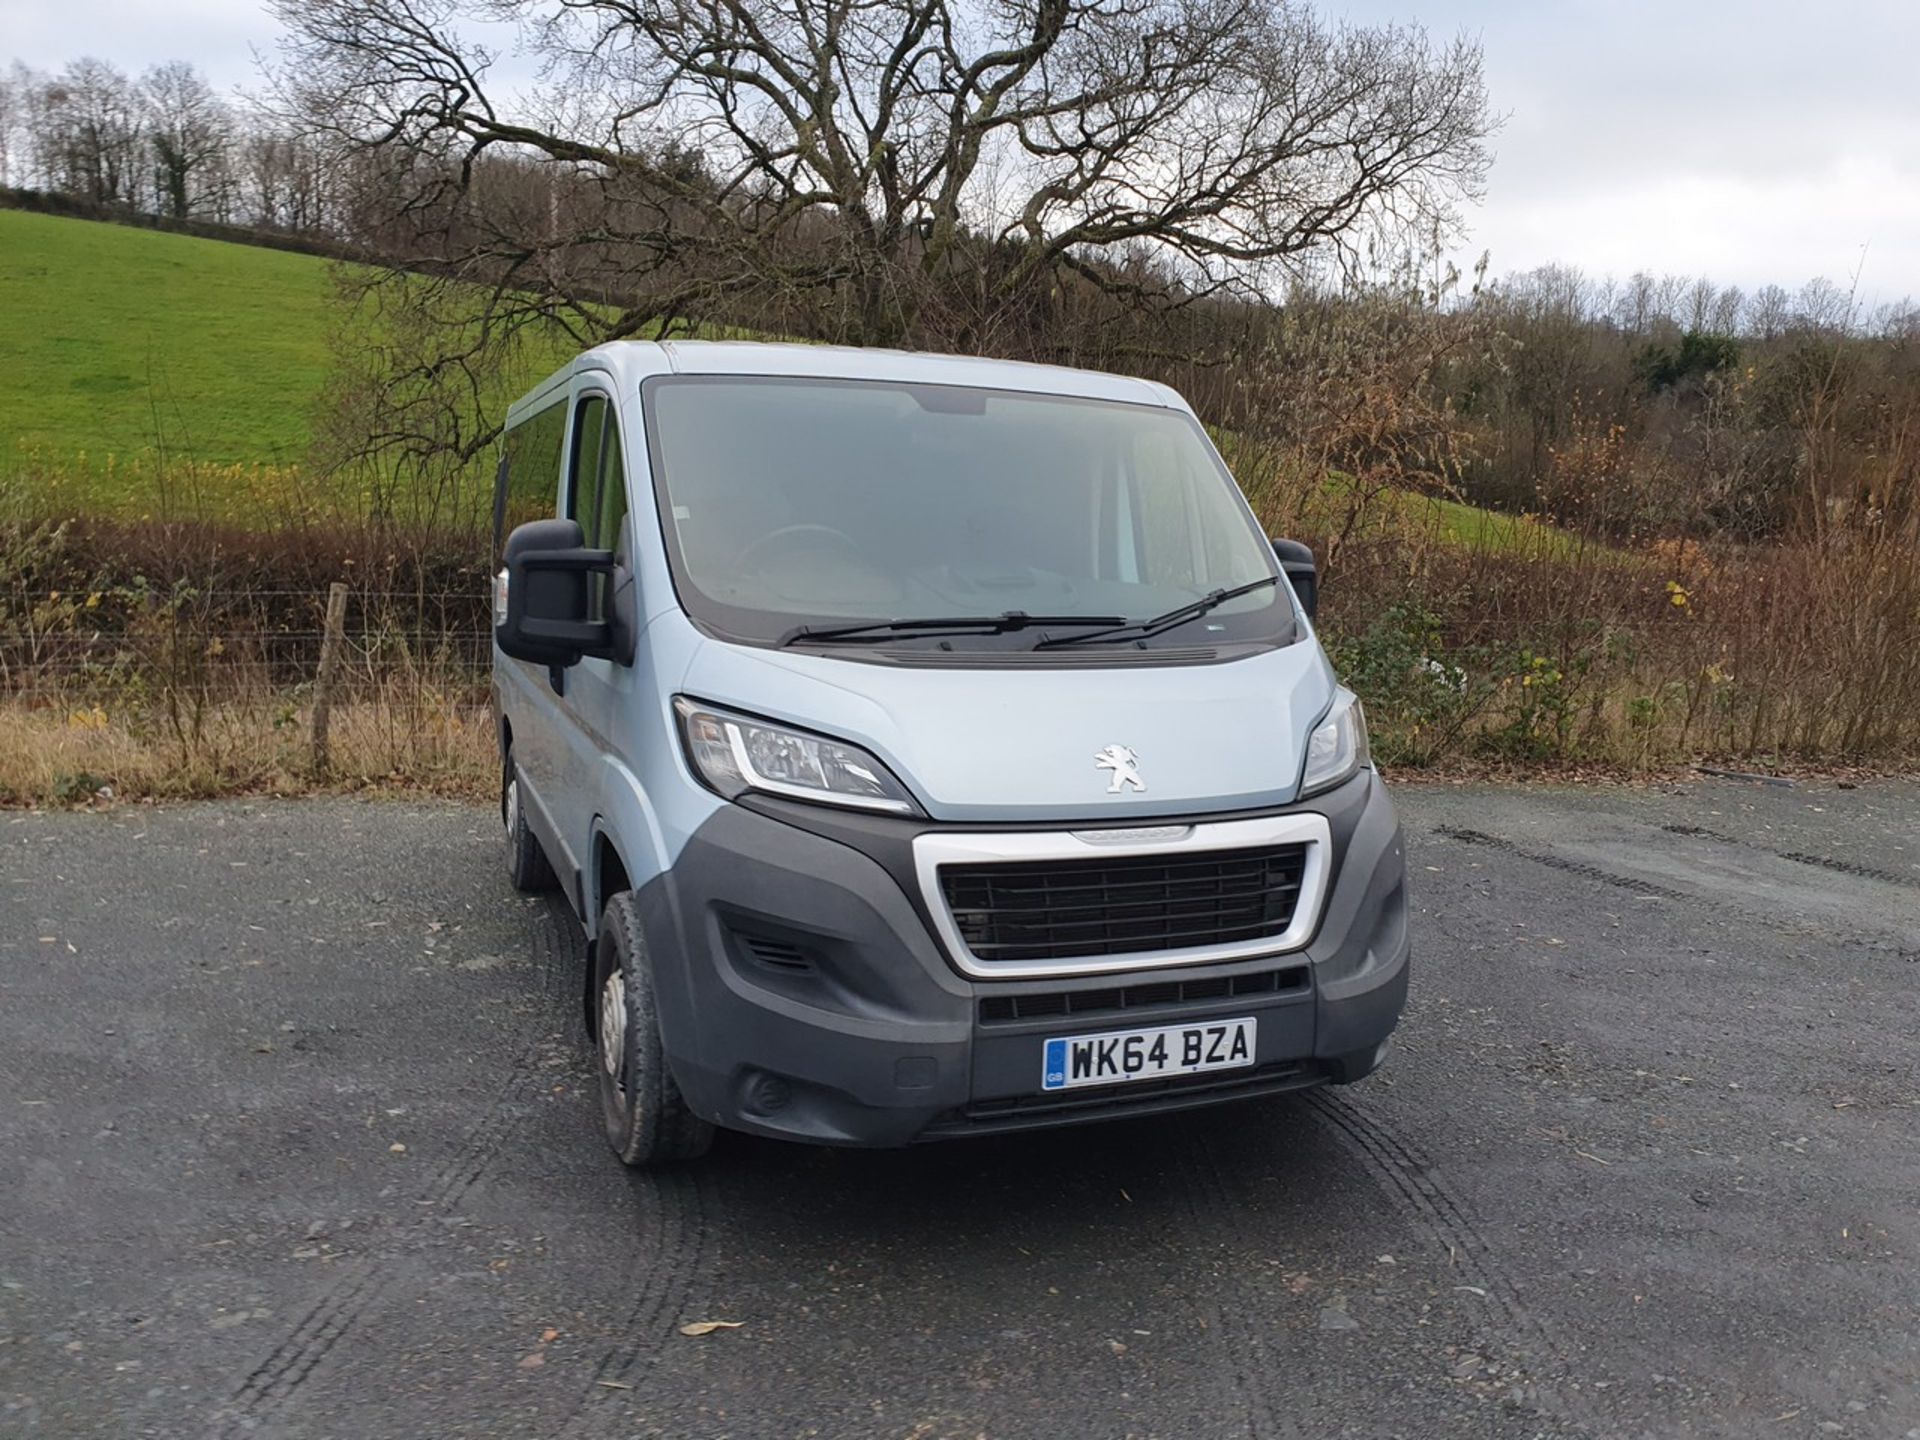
pixel 1122 1055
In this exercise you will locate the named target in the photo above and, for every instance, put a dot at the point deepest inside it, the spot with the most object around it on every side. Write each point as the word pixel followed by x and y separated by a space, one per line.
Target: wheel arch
pixel 625 848
pixel 503 734
pixel 624 852
pixel 607 875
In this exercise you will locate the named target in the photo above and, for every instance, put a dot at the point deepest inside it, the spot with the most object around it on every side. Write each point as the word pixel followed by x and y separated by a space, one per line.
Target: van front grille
pixel 1077 909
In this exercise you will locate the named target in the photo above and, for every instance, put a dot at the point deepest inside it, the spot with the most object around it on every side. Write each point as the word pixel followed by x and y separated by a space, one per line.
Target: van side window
pixel 597 488
pixel 527 486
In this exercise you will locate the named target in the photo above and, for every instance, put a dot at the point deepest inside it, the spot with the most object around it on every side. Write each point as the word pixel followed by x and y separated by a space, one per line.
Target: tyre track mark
pixel 558 947
pixel 662 1277
pixel 1414 1184
pixel 1547 858
pixel 301 1349
pixel 1878 941
pixel 1249 1359
pixel 1799 857
pixel 358 1287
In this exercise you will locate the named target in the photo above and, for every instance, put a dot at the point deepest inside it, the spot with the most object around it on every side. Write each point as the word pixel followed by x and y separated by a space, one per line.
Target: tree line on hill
pixel 165 144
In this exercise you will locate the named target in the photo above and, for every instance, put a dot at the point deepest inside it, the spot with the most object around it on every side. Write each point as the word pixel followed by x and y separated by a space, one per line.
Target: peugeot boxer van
pixel 930 747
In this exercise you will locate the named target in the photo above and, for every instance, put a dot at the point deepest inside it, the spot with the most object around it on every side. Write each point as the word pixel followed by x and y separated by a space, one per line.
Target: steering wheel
pixel 789 532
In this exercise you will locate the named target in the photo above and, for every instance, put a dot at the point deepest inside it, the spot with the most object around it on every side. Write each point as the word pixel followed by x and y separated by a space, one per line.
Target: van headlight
pixel 1338 746
pixel 734 753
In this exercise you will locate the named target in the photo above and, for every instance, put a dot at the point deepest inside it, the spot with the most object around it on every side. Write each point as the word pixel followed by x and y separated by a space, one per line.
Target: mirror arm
pixel 578 558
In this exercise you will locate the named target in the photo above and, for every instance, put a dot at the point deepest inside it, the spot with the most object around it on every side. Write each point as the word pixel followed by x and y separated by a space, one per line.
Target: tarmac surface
pixel 298 1139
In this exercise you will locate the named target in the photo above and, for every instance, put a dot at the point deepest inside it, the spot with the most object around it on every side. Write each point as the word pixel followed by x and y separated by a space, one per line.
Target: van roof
pixel 632 361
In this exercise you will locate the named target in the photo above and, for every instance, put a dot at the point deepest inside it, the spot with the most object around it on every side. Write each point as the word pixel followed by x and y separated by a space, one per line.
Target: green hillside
pixel 135 362
pixel 118 342
pixel 141 370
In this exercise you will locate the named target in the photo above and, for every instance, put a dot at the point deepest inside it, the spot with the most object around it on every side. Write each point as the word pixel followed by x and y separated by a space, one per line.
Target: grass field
pixel 127 343
pixel 1478 529
pixel 142 371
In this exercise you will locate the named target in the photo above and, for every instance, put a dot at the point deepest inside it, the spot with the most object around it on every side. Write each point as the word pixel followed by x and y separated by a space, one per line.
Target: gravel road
pixel 297 1139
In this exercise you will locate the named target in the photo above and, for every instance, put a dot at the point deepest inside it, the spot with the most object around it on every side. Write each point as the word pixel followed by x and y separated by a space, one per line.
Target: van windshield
pixel 791 506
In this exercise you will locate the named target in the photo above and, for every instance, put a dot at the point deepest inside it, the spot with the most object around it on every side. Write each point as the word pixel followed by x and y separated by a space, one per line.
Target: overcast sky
pixel 1765 142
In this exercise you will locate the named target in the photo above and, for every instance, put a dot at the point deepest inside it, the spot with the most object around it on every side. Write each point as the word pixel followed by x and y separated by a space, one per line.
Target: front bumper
pixel 803 994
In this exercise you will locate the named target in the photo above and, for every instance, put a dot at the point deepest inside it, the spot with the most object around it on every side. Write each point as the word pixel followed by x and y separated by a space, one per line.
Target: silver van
pixel 930 747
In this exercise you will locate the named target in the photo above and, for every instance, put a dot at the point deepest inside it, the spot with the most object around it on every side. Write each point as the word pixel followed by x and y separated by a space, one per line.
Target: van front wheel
pixel 647 1121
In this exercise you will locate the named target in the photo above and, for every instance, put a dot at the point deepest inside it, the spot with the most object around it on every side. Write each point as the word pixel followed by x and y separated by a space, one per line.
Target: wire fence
pixel 1566 676
pixel 227 643
pixel 203 653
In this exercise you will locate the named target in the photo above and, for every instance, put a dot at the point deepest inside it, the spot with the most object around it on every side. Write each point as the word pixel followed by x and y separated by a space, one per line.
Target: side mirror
pixel 1297 560
pixel 544 618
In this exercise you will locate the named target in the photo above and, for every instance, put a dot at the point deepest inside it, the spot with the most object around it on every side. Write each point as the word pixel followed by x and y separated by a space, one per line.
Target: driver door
pixel 595 495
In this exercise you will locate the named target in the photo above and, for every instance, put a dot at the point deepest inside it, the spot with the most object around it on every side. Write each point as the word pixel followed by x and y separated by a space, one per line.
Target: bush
pixel 1635 657
pixel 1420 694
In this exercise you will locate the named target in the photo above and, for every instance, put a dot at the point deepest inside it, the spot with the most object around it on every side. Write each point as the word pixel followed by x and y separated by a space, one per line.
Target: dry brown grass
pixel 74 755
pixel 177 660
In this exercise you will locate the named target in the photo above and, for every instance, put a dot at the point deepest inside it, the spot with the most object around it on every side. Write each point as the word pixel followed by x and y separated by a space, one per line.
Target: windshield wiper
pixel 1000 624
pixel 1179 615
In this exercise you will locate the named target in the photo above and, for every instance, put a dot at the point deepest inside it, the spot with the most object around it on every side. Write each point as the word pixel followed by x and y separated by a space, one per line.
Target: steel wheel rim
pixel 513 806
pixel 613 1026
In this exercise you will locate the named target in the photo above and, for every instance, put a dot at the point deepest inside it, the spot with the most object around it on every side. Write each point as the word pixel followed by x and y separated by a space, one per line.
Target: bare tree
pixel 1770 313
pixel 282 180
pixel 1638 304
pixel 890 167
pixel 1697 305
pixel 188 130
pixel 15 87
pixel 1824 308
pixel 90 133
pixel 1728 306
pixel 43 122
pixel 259 161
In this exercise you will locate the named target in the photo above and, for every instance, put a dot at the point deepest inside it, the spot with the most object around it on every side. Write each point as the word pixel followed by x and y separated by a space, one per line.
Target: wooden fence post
pixel 331 639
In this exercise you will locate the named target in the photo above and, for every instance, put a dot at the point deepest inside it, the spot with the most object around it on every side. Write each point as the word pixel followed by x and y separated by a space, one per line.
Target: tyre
pixel 647 1121
pixel 527 866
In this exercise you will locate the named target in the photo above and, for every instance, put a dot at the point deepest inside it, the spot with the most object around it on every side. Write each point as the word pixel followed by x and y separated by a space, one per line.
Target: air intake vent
pixel 782 955
pixel 1050 1004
